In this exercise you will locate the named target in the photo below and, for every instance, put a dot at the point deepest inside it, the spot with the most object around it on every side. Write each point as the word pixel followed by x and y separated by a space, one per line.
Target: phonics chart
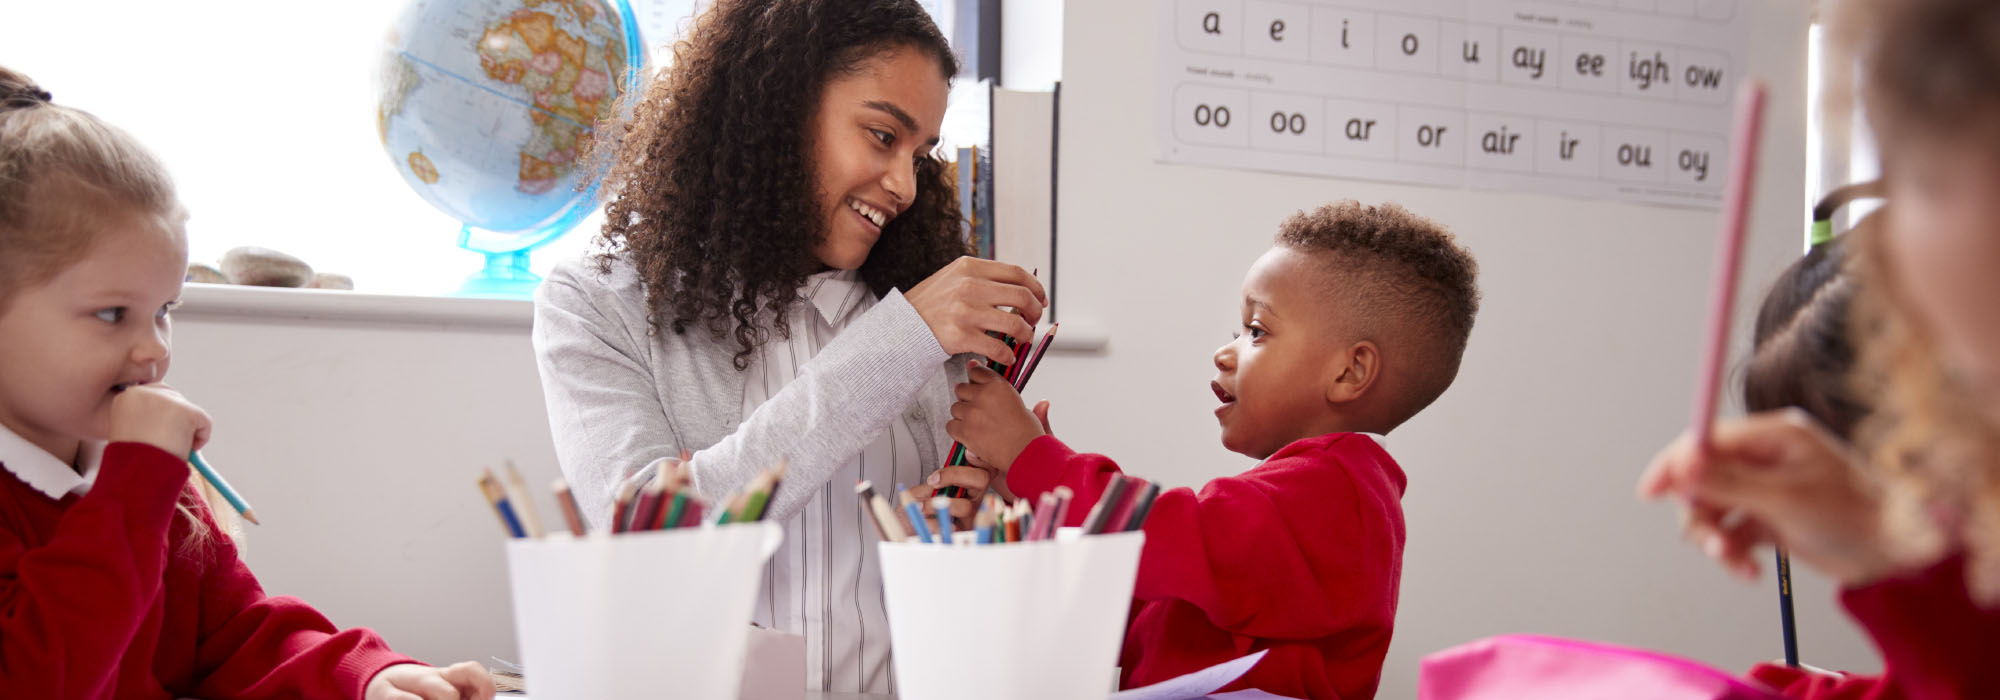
pixel 1616 99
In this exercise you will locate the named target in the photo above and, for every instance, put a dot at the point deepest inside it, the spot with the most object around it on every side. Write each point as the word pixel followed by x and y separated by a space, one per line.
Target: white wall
pixel 360 443
pixel 1520 506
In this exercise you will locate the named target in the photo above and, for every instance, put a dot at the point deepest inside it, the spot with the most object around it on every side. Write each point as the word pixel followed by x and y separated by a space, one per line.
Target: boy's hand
pixel 1775 477
pixel 462 681
pixel 973 482
pixel 157 415
pixel 990 419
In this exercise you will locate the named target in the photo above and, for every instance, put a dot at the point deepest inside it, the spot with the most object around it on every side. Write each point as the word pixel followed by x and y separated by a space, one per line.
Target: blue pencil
pixel 915 514
pixel 942 506
pixel 513 521
pixel 222 486
pixel 497 496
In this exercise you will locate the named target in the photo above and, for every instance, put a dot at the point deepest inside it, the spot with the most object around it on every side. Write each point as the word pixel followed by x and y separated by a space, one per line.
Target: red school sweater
pixel 1301 555
pixel 99 600
pixel 1937 644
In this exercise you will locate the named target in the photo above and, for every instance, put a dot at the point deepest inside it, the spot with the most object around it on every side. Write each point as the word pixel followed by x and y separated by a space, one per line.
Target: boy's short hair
pixel 1412 289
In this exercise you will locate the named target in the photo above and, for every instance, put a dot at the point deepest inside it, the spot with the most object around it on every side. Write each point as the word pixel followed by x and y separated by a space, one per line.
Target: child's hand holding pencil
pixel 991 421
pixel 1779 478
pixel 156 415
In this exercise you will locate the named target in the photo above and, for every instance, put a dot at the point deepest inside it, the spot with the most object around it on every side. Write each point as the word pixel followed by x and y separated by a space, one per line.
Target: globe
pixel 486 107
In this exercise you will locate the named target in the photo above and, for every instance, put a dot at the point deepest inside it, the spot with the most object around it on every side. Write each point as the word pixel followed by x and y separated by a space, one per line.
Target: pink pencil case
pixel 1551 668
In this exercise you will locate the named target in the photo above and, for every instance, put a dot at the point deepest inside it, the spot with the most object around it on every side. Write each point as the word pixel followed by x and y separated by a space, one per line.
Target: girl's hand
pixel 1775 477
pixel 990 420
pixel 157 415
pixel 962 302
pixel 462 681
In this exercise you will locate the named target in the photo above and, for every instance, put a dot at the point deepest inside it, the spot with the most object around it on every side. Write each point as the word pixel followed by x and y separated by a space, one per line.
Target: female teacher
pixel 782 278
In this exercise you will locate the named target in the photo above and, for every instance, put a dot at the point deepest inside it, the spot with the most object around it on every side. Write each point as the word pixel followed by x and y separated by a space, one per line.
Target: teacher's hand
pixel 962 302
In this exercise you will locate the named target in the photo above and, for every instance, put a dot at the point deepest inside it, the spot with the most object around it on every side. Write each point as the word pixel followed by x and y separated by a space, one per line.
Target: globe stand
pixel 505 275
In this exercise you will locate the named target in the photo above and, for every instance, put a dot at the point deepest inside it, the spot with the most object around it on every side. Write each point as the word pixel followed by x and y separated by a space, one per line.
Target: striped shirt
pixel 825 581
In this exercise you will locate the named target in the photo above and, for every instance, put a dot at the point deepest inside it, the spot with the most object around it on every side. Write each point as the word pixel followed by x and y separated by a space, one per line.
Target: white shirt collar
pixel 835 293
pixel 35 467
pixel 1380 439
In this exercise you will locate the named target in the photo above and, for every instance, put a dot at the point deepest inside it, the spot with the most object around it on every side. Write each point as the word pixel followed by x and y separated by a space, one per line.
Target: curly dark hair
pixel 711 179
pixel 1410 284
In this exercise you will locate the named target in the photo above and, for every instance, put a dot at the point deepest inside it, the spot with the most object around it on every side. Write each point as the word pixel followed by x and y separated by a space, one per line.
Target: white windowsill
pixel 225 301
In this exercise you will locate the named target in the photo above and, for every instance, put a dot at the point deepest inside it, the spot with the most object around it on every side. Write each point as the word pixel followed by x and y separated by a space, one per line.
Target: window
pixel 265 113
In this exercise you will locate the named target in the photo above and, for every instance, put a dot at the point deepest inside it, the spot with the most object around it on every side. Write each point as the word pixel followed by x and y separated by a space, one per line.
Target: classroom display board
pixel 1615 99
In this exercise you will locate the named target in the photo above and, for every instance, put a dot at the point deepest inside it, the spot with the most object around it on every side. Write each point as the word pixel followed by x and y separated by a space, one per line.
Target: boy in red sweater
pixel 1352 323
pixel 115 580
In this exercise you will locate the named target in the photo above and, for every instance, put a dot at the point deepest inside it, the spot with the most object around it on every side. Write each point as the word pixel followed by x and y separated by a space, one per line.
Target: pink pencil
pixel 1729 251
pixel 1045 518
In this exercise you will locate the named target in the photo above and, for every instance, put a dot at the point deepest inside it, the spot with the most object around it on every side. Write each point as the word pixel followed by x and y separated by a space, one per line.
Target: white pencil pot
pixel 1002 622
pixel 638 615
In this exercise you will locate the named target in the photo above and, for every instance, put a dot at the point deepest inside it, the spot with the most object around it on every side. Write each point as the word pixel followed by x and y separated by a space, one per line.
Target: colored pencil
pixel 566 502
pixel 1100 514
pixel 892 524
pixel 982 525
pixel 1140 507
pixel 941 507
pixel 1115 521
pixel 621 505
pixel 1729 253
pixel 646 512
pixel 1011 524
pixel 1045 514
pixel 1736 202
pixel 1063 496
pixel 862 491
pixel 1021 381
pixel 676 510
pixel 1020 360
pixel 524 502
pixel 916 516
pixel 733 510
pixel 1787 624
pixel 497 496
pixel 222 486
pixel 758 497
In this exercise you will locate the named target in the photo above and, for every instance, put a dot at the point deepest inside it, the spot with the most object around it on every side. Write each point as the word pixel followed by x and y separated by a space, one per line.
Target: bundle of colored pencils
pixel 1123 508
pixel 665 503
pixel 1017 376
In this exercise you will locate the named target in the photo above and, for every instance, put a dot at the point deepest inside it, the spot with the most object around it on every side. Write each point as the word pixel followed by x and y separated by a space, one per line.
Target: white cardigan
pixel 622 393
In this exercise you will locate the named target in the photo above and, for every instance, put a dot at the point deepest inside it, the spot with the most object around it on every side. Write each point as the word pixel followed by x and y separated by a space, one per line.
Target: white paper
pixel 1037 620
pixel 1626 100
pixel 1197 684
pixel 632 615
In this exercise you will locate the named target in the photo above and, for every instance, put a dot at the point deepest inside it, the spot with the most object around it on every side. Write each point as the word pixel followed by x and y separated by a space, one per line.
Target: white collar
pixel 835 293
pixel 35 467
pixel 1380 439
